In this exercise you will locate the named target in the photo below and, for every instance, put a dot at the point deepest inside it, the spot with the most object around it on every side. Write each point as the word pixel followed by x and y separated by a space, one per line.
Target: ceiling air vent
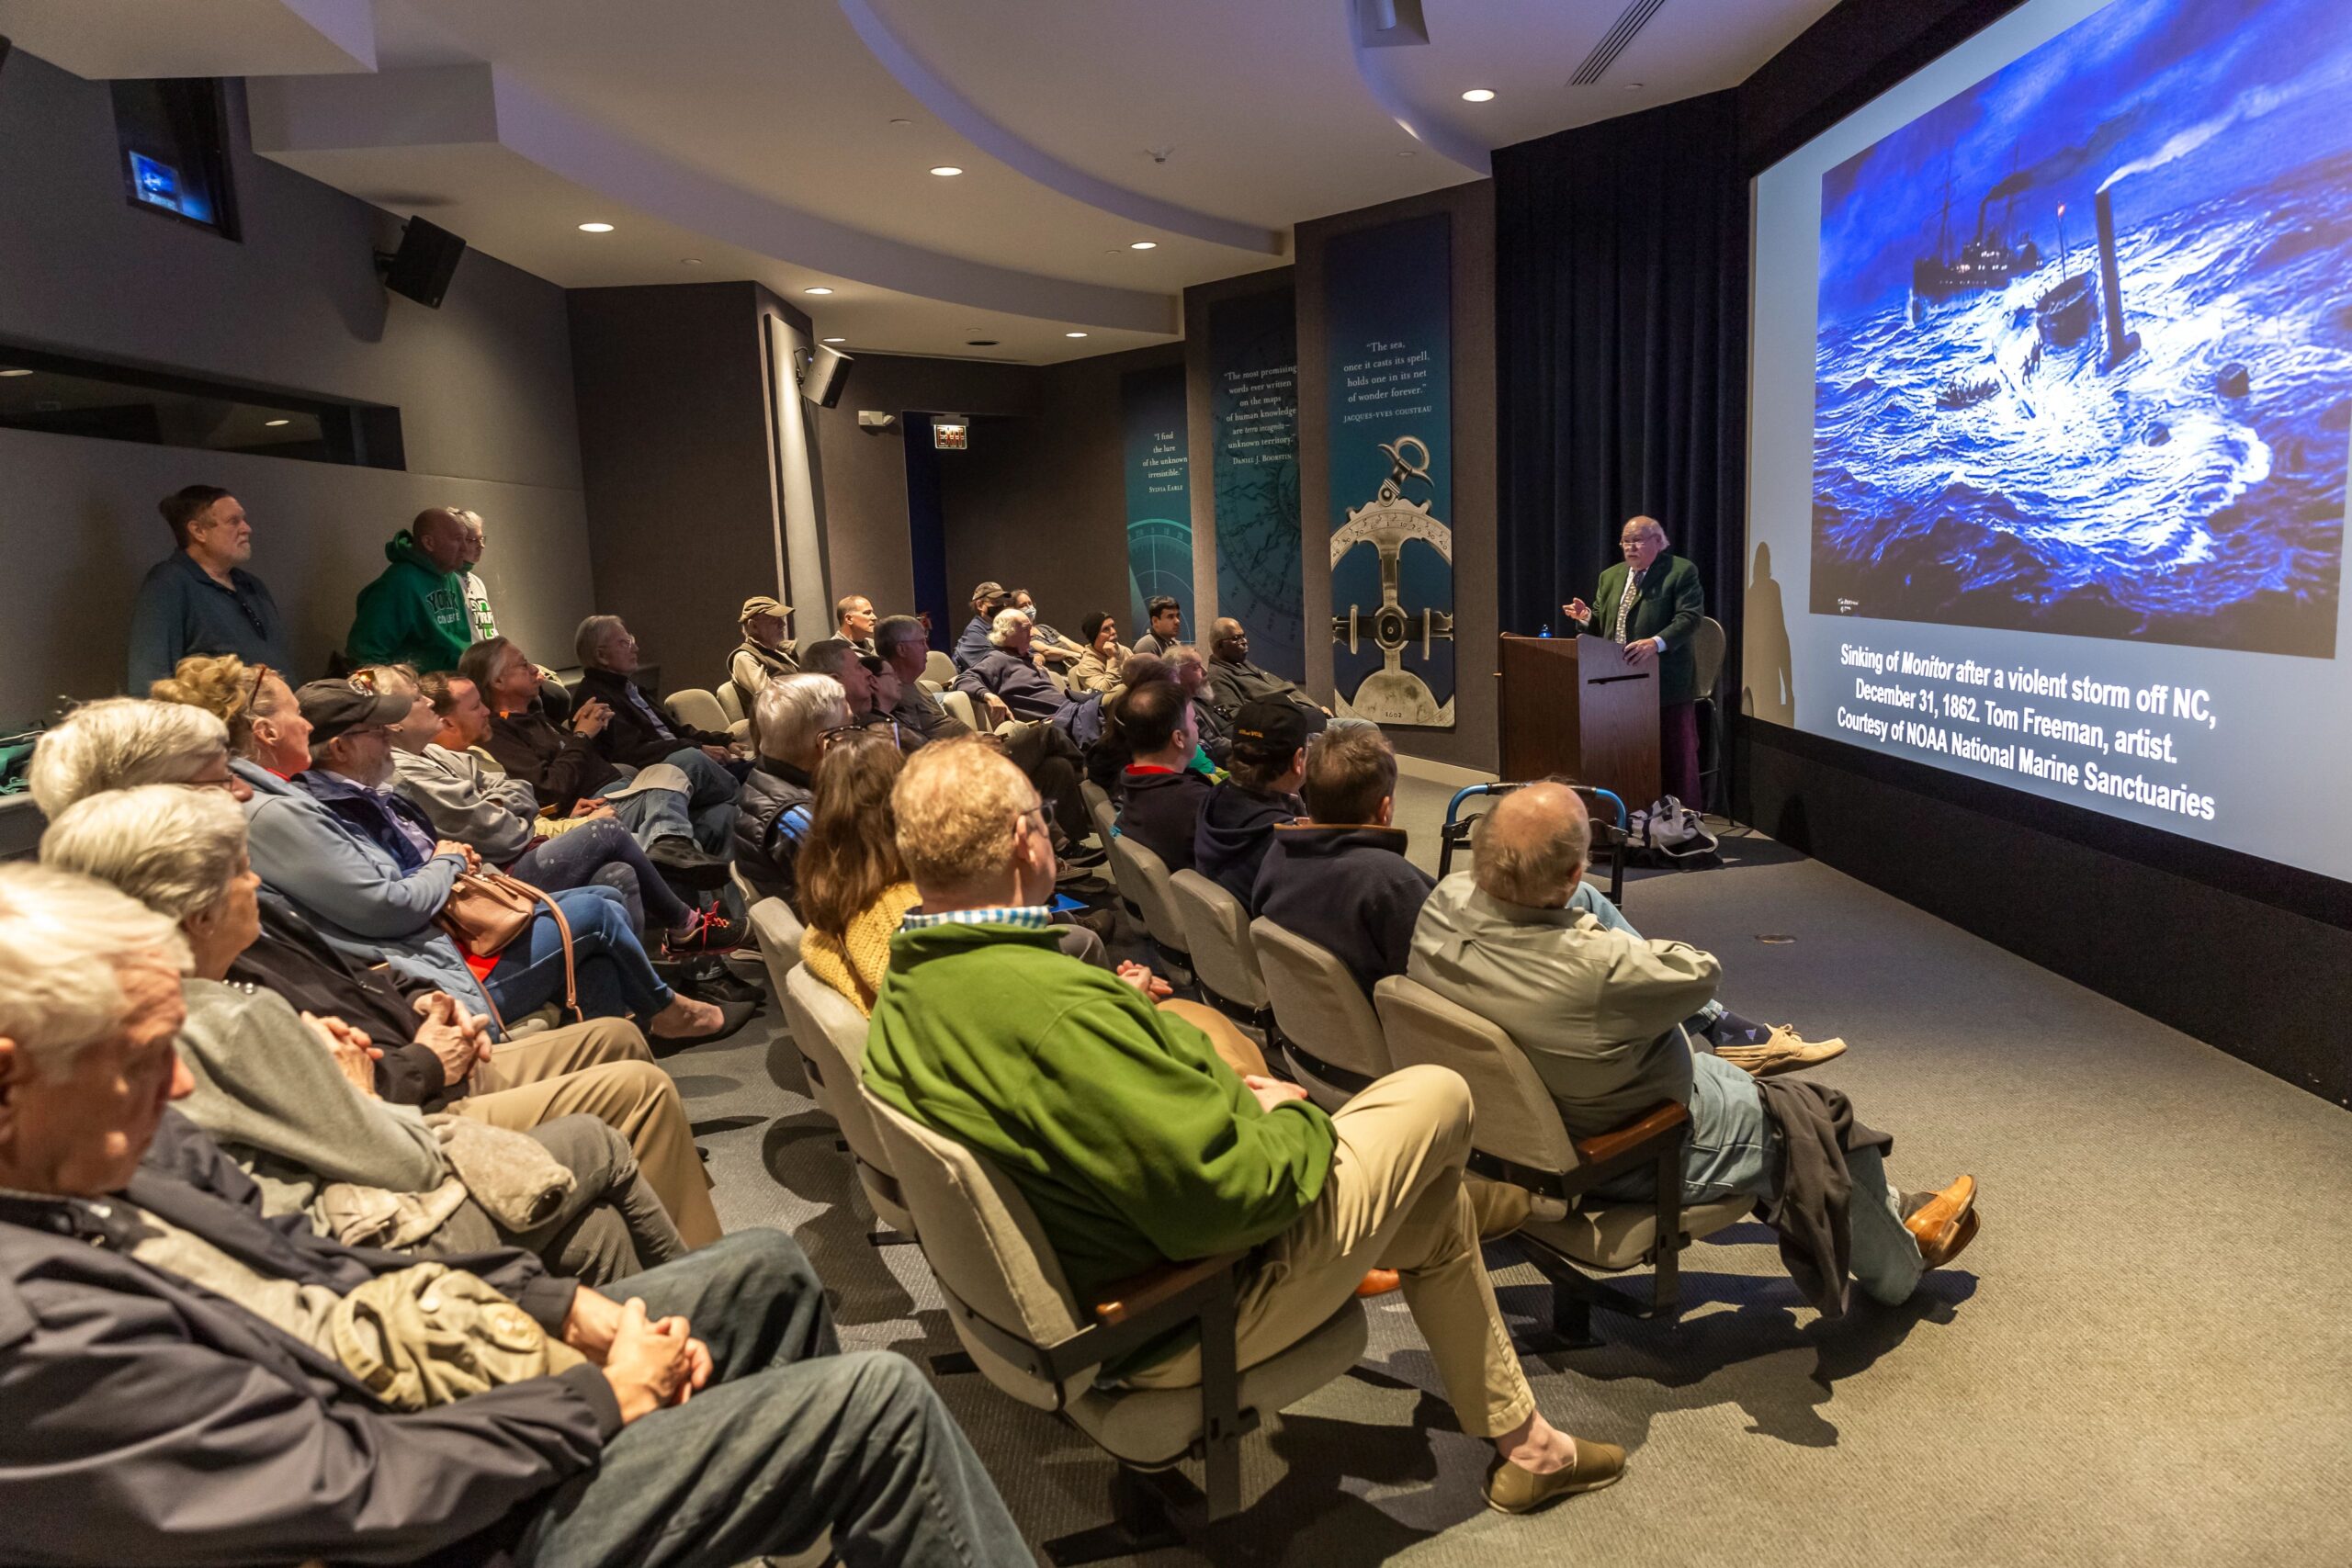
pixel 1633 19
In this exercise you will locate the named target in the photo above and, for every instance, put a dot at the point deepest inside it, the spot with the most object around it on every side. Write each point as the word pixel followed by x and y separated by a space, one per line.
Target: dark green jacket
pixel 1669 605
pixel 413 614
pixel 1129 1136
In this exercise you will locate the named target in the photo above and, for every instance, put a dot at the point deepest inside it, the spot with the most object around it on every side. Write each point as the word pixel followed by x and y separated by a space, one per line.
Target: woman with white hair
pixel 291 1097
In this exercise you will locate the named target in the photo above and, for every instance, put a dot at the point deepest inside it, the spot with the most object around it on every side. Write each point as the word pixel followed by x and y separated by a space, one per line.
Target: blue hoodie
pixel 1237 827
pixel 1348 888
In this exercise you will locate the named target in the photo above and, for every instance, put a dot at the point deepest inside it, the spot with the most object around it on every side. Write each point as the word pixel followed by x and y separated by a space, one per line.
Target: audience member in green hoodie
pixel 1135 1142
pixel 415 612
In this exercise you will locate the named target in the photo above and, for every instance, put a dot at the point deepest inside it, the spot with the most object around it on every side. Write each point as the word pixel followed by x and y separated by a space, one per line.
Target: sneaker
pixel 1101 922
pixel 1783 1050
pixel 1084 855
pixel 1510 1490
pixel 680 859
pixel 711 933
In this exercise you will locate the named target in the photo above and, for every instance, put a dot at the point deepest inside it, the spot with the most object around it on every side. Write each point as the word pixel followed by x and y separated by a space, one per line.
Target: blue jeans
pixel 706 814
pixel 616 978
pixel 1732 1151
pixel 791 1439
pixel 608 854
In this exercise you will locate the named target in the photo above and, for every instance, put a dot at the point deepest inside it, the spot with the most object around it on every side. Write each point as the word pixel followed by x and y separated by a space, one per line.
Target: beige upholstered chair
pixel 731 700
pixel 1099 807
pixel 939 670
pixel 1518 1138
pixel 698 707
pixel 959 704
pixel 1330 1036
pixel 778 929
pixel 1217 929
pixel 1143 877
pixel 1031 1335
pixel 830 1034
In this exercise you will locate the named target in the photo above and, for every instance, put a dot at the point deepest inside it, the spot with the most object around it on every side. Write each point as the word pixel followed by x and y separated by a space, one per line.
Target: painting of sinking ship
pixel 2084 360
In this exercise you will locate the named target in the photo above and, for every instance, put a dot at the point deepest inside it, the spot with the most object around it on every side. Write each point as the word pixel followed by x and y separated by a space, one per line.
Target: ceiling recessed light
pixel 837 339
pixel 981 342
pixel 595 228
pixel 1073 334
pixel 274 424
pixel 1143 244
pixel 1633 86
pixel 948 171
pixel 816 292
pixel 1479 95
pixel 15 372
pixel 902 122
pixel 1407 153
pixel 690 261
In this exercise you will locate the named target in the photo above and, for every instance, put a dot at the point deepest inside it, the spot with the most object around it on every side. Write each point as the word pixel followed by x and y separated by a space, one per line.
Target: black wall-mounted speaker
pixel 823 376
pixel 420 269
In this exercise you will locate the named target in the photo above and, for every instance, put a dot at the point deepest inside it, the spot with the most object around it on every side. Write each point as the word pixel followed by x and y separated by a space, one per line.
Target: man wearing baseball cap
pixel 351 764
pixel 1268 764
pixel 764 652
pixel 973 643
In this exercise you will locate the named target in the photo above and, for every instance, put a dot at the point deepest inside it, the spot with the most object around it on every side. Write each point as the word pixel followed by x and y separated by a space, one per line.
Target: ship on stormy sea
pixel 2121 406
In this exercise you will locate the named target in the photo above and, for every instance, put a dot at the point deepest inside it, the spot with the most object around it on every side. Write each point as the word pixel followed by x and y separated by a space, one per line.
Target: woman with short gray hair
pixel 292 1097
pixel 794 715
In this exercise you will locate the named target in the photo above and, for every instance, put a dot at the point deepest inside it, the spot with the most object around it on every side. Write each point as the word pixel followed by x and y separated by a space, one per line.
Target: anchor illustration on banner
pixel 1391 693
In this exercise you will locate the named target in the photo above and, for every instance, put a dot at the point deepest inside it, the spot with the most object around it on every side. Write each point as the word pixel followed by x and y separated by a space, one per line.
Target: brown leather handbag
pixel 488 909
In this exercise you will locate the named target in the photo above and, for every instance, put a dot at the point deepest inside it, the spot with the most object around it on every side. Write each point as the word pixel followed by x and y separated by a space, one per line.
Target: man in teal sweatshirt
pixel 1135 1142
pixel 415 612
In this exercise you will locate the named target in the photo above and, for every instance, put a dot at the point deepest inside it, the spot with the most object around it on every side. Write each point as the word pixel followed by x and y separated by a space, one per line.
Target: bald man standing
pixel 1651 603
pixel 415 612
pixel 1599 1013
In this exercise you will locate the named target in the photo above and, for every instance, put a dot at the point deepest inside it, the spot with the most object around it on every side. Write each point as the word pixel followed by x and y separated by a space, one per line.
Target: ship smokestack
pixel 2121 344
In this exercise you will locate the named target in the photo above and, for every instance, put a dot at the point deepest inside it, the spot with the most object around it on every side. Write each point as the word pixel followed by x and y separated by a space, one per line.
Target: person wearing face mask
pixel 1651 603
pixel 1050 648
pixel 200 598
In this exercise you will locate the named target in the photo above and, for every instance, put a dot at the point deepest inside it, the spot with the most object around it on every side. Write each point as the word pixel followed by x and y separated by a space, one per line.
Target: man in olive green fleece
pixel 415 612
pixel 1135 1142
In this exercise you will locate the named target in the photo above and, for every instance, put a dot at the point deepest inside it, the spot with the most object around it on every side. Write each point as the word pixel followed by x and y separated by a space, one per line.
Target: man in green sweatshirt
pixel 1135 1142
pixel 415 612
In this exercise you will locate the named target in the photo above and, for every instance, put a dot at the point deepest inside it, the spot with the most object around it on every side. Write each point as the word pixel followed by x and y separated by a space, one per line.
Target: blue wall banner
pixel 1388 318
pixel 1254 392
pixel 1159 493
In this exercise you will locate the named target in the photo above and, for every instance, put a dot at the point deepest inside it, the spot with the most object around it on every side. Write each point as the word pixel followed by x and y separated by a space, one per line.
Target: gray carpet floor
pixel 2145 1356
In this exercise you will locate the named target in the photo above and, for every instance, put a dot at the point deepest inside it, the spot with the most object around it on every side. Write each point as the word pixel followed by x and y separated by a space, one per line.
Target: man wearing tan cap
pixel 766 652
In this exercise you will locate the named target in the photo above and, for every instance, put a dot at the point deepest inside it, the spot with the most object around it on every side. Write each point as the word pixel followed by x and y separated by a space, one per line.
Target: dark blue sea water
pixel 2143 500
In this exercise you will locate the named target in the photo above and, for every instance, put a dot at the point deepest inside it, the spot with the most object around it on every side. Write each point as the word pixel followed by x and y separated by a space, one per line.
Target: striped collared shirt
pixel 1028 917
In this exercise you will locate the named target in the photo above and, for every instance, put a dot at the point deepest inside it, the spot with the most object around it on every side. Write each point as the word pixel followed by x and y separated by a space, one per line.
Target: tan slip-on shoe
pixel 1952 1246
pixel 1936 1224
pixel 1510 1490
pixel 1783 1050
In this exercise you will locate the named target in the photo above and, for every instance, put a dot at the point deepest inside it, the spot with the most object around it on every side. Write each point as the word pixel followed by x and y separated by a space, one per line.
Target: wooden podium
pixel 1578 707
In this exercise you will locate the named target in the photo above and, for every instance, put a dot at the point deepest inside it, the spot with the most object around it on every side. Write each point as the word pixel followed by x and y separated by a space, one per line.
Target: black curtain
pixel 1621 350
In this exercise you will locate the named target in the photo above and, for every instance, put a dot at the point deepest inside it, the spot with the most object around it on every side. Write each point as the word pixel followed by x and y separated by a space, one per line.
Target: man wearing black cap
pixel 1268 764
pixel 973 643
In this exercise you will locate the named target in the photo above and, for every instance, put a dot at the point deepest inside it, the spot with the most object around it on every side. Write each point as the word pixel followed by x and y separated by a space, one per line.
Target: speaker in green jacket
pixel 1651 604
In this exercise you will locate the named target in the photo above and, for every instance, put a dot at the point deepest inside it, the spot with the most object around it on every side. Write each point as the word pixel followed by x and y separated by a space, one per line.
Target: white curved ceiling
pixel 790 140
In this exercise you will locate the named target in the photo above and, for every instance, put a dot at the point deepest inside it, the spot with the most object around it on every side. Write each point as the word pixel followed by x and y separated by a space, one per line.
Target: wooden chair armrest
pixel 1605 1146
pixel 1162 1282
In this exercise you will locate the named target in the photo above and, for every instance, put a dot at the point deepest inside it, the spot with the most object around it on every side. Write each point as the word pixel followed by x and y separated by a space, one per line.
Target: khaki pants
pixel 1501 1208
pixel 601 1068
pixel 1395 1199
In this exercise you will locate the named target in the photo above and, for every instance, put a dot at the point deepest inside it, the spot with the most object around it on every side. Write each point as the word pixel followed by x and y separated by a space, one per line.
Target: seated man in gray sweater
pixel 496 815
pixel 1600 1011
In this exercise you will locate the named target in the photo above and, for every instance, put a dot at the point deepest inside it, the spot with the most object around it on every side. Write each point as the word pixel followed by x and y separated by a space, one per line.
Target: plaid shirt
pixel 1027 916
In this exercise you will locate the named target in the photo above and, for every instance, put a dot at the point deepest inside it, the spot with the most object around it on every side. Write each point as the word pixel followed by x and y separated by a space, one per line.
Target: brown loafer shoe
pixel 1935 1225
pixel 1965 1231
pixel 1510 1490
pixel 1783 1050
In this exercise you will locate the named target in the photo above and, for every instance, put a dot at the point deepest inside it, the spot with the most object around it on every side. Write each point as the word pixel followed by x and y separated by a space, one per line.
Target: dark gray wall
pixel 483 386
pixel 1472 743
pixel 1040 502
pixel 862 474
pixel 681 489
